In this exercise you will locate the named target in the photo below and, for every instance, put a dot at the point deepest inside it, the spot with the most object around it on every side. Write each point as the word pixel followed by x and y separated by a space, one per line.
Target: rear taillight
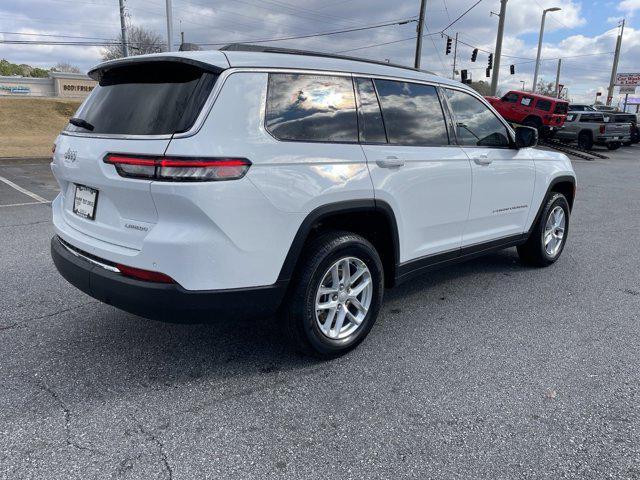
pixel 603 128
pixel 179 169
pixel 146 275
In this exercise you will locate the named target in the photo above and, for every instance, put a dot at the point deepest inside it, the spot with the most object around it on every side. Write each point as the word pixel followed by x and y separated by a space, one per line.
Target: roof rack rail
pixel 248 47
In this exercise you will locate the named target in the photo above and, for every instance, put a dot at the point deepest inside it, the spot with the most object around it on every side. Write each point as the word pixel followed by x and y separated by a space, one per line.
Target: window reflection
pixel 476 124
pixel 369 115
pixel 312 108
pixel 412 113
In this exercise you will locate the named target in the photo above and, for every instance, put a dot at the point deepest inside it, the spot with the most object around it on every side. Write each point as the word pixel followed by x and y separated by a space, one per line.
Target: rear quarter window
pixel 147 99
pixel 544 105
pixel 312 108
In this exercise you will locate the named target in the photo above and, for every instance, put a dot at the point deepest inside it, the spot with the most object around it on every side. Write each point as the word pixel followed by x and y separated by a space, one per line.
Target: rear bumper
pixel 167 302
pixel 603 140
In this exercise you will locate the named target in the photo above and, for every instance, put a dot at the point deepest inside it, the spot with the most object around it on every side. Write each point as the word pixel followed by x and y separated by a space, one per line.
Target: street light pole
pixel 123 27
pixel 496 60
pixel 169 26
pixel 535 75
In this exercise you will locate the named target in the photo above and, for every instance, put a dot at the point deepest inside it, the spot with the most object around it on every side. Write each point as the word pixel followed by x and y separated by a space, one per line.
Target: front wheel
pixel 337 294
pixel 549 235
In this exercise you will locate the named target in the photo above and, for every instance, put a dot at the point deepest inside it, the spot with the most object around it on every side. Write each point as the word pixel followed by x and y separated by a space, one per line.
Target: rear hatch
pixel 135 110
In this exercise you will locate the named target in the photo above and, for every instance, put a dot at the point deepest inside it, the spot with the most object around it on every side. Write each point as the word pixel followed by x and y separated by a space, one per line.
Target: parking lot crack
pixel 163 454
pixel 69 440
pixel 63 310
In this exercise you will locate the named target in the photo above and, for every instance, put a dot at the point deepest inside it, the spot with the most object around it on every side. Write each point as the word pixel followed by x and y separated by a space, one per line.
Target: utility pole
pixel 614 70
pixel 123 27
pixel 169 27
pixel 498 53
pixel 558 78
pixel 423 7
pixel 455 54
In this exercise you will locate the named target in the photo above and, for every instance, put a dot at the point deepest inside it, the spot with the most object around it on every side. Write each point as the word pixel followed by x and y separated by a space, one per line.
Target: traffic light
pixel 513 69
pixel 449 42
pixel 474 55
pixel 463 76
pixel 488 72
pixel 490 61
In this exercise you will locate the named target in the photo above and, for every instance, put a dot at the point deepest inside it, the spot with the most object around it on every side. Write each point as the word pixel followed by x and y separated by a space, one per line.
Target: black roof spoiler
pixel 248 47
pixel 98 72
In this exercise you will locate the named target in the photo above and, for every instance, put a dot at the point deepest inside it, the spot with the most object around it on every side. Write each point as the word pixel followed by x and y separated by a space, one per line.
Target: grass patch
pixel 29 126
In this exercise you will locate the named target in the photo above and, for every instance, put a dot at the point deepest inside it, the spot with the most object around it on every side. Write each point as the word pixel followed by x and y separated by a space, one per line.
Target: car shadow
pixel 122 350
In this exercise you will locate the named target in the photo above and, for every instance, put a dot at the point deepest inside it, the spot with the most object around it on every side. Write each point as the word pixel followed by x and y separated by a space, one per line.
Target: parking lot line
pixel 25 191
pixel 22 204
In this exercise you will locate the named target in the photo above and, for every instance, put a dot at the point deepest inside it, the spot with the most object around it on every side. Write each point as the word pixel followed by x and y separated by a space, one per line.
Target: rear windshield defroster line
pixel 159 98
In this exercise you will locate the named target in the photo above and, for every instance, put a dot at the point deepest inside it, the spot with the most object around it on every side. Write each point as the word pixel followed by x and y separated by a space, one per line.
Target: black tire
pixel 627 144
pixel 585 140
pixel 534 123
pixel 613 146
pixel 533 252
pixel 299 314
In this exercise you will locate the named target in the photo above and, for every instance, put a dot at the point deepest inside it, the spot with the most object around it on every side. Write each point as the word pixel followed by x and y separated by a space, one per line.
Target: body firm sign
pixel 628 79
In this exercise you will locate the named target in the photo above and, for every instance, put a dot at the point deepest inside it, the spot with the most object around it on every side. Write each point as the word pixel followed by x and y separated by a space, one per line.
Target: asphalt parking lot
pixel 484 370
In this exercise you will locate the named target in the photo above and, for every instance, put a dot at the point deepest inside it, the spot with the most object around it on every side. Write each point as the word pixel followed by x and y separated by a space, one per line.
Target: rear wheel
pixel 585 140
pixel 336 296
pixel 547 240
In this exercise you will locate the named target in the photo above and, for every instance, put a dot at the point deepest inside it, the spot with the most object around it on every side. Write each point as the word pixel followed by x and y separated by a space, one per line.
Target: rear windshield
pixel 561 108
pixel 151 99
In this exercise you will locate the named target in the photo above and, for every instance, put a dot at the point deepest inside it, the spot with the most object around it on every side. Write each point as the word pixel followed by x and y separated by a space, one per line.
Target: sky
pixel 583 33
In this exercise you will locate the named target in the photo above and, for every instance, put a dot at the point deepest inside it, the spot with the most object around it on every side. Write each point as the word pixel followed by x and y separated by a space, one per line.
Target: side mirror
pixel 526 137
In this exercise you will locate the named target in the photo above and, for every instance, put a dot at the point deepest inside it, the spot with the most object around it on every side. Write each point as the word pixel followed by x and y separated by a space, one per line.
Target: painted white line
pixel 21 204
pixel 24 190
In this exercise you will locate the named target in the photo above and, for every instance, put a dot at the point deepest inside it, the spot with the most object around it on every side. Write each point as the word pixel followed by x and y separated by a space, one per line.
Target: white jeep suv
pixel 258 180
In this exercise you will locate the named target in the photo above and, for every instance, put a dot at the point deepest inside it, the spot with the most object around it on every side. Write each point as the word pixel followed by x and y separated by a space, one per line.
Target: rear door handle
pixel 482 159
pixel 390 162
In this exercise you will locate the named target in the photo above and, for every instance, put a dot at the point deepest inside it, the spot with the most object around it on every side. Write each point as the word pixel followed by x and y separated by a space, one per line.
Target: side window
pixel 315 108
pixel 526 101
pixel 412 113
pixel 511 97
pixel 476 125
pixel 592 117
pixel 369 115
pixel 544 105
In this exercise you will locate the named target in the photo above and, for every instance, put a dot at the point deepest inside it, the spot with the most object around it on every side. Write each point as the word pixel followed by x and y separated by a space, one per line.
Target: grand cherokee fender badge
pixel 510 209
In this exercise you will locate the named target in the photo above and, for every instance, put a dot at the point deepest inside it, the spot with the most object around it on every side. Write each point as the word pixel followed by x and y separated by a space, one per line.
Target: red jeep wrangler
pixel 547 114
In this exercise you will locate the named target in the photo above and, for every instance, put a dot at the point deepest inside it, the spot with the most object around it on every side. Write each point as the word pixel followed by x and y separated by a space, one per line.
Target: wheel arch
pixel 534 118
pixel 376 222
pixel 564 184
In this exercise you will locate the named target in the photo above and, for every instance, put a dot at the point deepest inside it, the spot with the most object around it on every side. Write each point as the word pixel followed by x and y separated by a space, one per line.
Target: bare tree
pixel 548 89
pixel 65 67
pixel 141 41
pixel 482 87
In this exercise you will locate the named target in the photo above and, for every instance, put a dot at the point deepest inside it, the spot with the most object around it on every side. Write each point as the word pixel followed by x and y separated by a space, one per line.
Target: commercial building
pixel 58 84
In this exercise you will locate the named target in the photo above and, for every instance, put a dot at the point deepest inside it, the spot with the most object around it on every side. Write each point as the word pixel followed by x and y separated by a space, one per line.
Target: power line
pixel 293 37
pixel 462 15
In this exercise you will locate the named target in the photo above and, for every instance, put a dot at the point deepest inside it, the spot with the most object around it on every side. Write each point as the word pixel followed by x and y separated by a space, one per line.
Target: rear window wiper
pixel 79 122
